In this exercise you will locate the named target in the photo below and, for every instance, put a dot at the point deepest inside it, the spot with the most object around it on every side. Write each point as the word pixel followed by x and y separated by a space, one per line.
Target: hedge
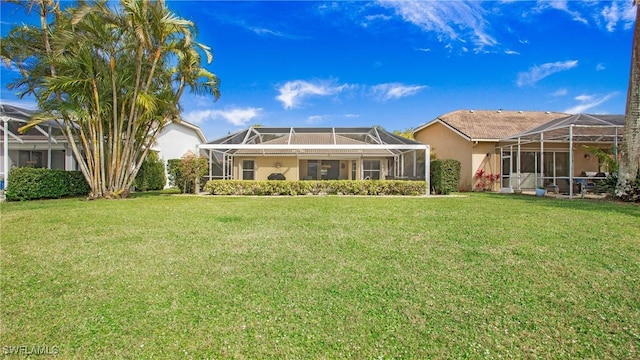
pixel 445 176
pixel 151 174
pixel 328 187
pixel 36 183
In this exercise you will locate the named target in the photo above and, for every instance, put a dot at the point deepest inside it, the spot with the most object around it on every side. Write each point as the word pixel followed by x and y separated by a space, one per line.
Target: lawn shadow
pixel 154 193
pixel 597 205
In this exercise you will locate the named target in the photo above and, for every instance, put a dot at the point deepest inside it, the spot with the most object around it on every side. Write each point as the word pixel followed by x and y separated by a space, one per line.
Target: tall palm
pixel 113 104
pixel 630 149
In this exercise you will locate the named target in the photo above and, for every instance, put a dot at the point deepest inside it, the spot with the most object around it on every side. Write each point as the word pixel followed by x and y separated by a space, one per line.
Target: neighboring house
pixel 315 154
pixel 42 146
pixel 45 146
pixel 176 139
pixel 494 143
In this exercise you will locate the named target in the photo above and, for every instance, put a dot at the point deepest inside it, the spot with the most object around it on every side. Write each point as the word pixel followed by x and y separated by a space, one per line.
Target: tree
pixel 630 149
pixel 407 133
pixel 112 75
pixel 187 173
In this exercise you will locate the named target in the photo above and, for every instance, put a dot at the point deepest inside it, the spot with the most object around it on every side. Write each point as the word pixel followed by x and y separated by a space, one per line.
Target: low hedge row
pixel 32 183
pixel 329 187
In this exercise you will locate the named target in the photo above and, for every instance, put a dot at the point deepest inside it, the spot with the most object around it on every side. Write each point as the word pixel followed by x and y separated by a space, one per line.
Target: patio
pixel 554 155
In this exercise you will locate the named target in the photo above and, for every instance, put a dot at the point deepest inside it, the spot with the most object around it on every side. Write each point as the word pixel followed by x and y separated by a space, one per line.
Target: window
pixel 248 170
pixel 354 170
pixel 371 169
pixel 34 159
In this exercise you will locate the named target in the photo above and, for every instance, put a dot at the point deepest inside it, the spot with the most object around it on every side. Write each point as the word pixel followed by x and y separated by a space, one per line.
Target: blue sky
pixel 399 64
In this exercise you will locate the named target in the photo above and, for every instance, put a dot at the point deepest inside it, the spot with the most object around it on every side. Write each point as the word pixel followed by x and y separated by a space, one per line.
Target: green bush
pixel 183 173
pixel 30 184
pixel 330 187
pixel 609 185
pixel 445 176
pixel 151 174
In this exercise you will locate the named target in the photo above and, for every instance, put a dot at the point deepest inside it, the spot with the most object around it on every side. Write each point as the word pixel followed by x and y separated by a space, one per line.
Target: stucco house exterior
pixel 298 153
pixel 513 147
pixel 176 140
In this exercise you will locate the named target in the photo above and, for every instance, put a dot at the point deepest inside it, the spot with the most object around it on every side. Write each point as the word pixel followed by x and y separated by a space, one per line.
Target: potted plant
pixel 541 190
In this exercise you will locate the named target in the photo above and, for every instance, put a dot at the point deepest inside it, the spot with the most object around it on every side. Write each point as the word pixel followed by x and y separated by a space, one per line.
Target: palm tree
pixel 114 77
pixel 630 149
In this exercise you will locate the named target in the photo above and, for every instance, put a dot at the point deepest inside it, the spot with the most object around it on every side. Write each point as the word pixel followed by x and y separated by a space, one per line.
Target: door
pixel 506 169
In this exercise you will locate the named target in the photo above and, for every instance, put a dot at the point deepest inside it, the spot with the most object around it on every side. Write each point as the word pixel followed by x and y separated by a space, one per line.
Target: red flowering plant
pixel 484 180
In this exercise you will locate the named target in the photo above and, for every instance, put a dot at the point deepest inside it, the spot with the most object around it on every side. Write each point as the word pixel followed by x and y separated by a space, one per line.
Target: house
pixel 177 139
pixel 45 145
pixel 298 153
pixel 511 148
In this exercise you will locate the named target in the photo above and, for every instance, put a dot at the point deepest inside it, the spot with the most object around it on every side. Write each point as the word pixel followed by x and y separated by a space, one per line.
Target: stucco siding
pixel 175 140
pixel 446 144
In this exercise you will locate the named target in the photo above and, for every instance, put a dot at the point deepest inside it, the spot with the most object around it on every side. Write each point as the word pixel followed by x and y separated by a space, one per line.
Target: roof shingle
pixel 492 124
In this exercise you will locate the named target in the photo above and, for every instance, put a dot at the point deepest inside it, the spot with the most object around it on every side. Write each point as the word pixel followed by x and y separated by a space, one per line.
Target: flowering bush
pixel 485 181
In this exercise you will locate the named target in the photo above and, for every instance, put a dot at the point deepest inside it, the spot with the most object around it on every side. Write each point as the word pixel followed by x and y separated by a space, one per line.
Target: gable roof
pixel 193 127
pixel 491 125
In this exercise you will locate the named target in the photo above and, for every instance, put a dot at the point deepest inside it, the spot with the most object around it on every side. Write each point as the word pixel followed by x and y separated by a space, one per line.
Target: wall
pixel 484 157
pixel 174 141
pixel 265 166
pixel 446 144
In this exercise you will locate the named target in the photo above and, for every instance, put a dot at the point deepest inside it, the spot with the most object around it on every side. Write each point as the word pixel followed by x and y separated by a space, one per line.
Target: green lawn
pixel 169 276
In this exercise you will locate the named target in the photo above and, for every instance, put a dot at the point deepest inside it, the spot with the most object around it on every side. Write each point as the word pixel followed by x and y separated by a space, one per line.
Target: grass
pixel 167 276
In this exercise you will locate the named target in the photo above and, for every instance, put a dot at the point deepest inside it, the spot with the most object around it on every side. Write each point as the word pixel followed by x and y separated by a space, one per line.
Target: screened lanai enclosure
pixel 42 146
pixel 556 155
pixel 298 153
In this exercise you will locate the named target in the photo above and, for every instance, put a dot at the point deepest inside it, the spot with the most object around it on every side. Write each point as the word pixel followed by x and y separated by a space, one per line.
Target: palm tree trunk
pixel 630 150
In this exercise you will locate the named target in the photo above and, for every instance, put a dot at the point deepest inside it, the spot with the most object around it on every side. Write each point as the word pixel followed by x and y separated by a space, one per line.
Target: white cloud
pixel 562 5
pixel 537 73
pixel 559 92
pixel 423 49
pixel 600 67
pixel 264 31
pixel 236 116
pixel 450 20
pixel 587 102
pixel 511 52
pixel 317 119
pixel 395 90
pixel 618 12
pixel 292 92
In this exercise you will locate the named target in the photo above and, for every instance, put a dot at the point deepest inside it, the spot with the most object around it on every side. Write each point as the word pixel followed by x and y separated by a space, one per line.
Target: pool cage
pixel 554 154
pixel 316 154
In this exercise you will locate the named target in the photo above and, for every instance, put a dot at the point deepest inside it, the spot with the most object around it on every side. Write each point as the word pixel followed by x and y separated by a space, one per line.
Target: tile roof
pixel 493 124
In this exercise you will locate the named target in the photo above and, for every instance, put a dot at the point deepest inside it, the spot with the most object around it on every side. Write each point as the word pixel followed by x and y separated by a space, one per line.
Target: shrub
pixel 183 173
pixel 331 187
pixel 36 183
pixel 151 174
pixel 445 175
pixel 609 184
